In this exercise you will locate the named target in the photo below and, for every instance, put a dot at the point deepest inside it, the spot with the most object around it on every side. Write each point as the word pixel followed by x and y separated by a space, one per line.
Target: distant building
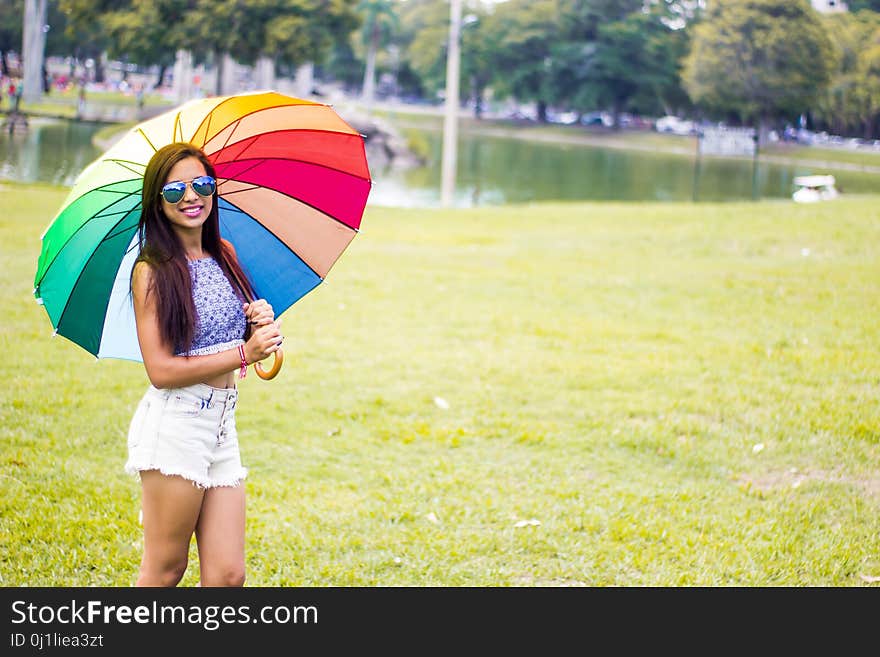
pixel 829 6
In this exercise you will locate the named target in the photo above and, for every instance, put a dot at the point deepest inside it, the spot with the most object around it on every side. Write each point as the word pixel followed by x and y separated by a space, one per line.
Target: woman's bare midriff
pixel 222 381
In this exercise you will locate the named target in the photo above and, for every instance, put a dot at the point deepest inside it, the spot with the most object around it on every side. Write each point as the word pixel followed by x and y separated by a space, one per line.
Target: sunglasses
pixel 203 186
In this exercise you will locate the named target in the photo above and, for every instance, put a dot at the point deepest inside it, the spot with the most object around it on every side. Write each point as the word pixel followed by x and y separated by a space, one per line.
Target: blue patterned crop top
pixel 220 320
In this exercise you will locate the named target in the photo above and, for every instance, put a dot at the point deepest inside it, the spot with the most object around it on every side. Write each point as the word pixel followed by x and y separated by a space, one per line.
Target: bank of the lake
pixel 854 159
pixel 571 163
pixel 117 109
pixel 580 394
pixel 501 162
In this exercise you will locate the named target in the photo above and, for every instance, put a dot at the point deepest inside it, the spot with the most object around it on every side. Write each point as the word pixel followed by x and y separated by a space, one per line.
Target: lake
pixel 491 170
pixel 49 151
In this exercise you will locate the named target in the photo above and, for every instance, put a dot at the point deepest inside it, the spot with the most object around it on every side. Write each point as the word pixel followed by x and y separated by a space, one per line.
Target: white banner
pixel 728 141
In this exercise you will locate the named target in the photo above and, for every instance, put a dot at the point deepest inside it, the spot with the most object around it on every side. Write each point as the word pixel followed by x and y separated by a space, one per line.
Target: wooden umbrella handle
pixel 276 366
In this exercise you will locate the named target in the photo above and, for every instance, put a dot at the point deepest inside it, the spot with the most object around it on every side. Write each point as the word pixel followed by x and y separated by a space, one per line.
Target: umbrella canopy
pixel 292 184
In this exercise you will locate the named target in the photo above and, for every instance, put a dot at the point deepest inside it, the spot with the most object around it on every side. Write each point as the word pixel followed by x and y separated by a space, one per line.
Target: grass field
pixel 546 395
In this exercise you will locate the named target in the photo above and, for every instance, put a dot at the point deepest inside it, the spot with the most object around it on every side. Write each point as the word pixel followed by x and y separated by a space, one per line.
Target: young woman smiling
pixel 195 330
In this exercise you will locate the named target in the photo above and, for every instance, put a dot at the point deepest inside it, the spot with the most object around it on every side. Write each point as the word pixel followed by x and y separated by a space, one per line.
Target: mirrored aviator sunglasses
pixel 203 186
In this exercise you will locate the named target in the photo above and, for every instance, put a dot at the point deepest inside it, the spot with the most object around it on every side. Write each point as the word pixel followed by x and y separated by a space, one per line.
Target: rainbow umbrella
pixel 292 184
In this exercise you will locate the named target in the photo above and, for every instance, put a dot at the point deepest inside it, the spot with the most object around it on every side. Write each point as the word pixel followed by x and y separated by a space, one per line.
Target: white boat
pixel 811 189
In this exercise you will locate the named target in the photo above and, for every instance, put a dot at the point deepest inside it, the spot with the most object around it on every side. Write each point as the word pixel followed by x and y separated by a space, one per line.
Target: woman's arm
pixel 164 369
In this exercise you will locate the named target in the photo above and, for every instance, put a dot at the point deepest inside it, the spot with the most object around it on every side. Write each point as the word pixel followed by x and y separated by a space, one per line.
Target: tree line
pixel 762 63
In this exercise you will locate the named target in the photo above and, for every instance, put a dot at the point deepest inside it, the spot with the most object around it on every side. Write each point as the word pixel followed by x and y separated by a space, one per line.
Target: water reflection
pixel 491 171
pixel 494 170
pixel 48 151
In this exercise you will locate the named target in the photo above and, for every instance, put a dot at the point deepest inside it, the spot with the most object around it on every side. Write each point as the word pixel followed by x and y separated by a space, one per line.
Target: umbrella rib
pixel 328 167
pixel 251 167
pixel 206 122
pixel 235 125
pixel 125 165
pixel 286 246
pixel 252 187
pixel 78 278
pixel 226 196
pixel 94 216
pixel 272 132
pixel 178 128
pixel 114 233
pixel 147 139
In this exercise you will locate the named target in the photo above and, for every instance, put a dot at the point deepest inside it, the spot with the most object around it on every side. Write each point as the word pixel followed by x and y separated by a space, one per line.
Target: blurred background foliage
pixel 764 63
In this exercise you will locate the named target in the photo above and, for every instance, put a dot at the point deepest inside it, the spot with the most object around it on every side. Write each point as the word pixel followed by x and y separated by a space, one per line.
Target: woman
pixel 195 330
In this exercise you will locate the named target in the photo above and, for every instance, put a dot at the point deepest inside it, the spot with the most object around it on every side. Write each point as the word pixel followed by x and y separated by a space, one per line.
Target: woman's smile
pixel 192 210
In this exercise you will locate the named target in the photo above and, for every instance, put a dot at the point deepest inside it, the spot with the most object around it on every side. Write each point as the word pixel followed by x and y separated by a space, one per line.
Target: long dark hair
pixel 162 250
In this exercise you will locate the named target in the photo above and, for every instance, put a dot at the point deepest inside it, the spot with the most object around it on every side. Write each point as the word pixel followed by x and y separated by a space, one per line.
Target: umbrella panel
pixel 307 186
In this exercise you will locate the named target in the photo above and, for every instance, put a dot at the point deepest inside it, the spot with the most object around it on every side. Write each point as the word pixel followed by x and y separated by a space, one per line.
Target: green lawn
pixel 542 395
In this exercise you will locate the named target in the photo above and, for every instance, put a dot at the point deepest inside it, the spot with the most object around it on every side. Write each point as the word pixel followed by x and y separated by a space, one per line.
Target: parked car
pixel 675 125
pixel 598 119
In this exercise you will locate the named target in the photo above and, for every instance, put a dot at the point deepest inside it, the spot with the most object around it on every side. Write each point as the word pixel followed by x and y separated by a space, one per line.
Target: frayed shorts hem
pixel 197 481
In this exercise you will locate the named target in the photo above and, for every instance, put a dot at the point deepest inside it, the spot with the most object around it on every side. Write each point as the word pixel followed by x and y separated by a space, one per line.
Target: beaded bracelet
pixel 243 371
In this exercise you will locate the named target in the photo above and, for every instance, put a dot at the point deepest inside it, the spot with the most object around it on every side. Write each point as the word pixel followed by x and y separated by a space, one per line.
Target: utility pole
pixel 450 115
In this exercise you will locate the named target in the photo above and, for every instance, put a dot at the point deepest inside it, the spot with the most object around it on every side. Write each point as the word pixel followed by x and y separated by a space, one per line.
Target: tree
pixel 849 105
pixel 379 23
pixel 424 30
pixel 869 98
pixel 343 66
pixel 760 60
pixel 858 5
pixel 620 62
pixel 136 36
pixel 301 31
pixel 84 28
pixel 289 32
pixel 477 46
pixel 678 13
pixel 580 20
pixel 525 31
pixel 58 41
pixel 423 42
pixel 11 18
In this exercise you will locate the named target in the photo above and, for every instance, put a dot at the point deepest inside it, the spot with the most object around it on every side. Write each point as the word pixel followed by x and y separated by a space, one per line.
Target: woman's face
pixel 191 211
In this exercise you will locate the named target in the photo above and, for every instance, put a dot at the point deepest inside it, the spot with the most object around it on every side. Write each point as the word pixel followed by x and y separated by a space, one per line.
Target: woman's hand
pixel 259 312
pixel 264 340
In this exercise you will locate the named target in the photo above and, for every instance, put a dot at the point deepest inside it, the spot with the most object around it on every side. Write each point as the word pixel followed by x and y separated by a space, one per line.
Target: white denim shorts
pixel 188 432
